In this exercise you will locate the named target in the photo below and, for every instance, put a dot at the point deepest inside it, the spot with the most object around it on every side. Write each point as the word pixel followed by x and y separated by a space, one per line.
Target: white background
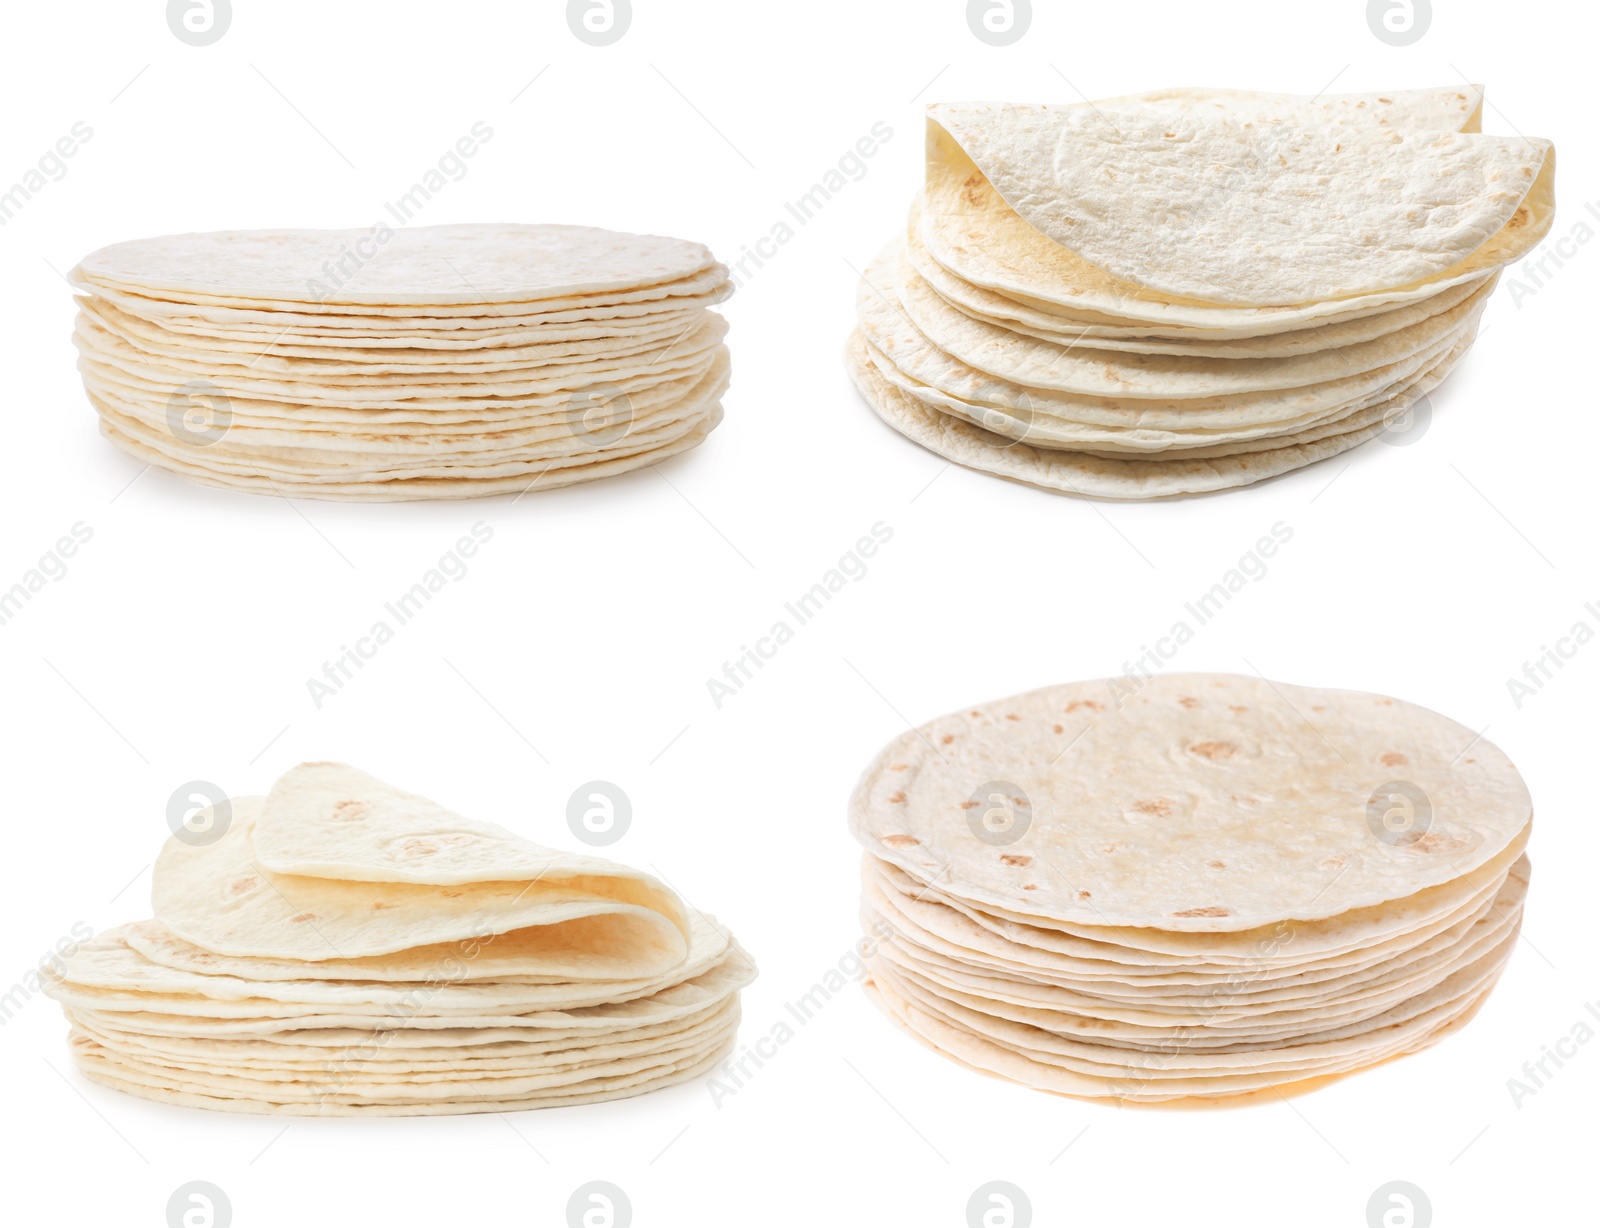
pixel 579 646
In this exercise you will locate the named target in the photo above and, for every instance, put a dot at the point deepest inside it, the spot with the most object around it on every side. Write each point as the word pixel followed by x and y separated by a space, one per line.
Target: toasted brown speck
pixel 1214 750
pixel 1188 701
pixel 948 738
pixel 1217 865
pixel 1214 910
pixel 897 799
pixel 1392 758
pixel 351 808
pixel 1160 806
pixel 1016 859
pixel 900 841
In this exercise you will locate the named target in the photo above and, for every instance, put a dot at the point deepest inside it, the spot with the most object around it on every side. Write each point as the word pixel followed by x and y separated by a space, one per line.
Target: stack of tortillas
pixel 1203 886
pixel 346 948
pixel 1191 290
pixel 430 362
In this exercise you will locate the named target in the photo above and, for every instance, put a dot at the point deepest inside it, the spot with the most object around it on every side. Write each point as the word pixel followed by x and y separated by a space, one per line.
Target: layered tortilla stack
pixel 1192 290
pixel 425 363
pixel 1204 886
pixel 345 948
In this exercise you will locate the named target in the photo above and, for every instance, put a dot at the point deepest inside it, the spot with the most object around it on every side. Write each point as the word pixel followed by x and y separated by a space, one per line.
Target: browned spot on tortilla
pixel 1215 750
pixel 1336 862
pixel 1217 865
pixel 379 906
pixel 418 846
pixel 1030 886
pixel 1237 708
pixel 1519 219
pixel 351 808
pixel 1160 806
pixel 303 916
pixel 1437 842
pixel 1214 910
pixel 1083 895
pixel 969 804
pixel 1012 716
pixel 897 767
pixel 1469 761
pixel 897 798
pixel 972 190
pixel 240 886
pixel 948 738
pixel 1116 846
pixel 1016 859
pixel 1091 704
pixel 1188 701
pixel 899 841
pixel 451 895
pixel 1058 728
pixel 1386 100
pixel 1319 707
pixel 1392 758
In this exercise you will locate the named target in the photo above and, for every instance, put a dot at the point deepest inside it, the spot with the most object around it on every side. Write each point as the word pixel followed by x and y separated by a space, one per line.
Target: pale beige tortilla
pixel 1137 826
pixel 218 896
pixel 596 1092
pixel 1081 473
pixel 1188 203
pixel 970 229
pixel 416 266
